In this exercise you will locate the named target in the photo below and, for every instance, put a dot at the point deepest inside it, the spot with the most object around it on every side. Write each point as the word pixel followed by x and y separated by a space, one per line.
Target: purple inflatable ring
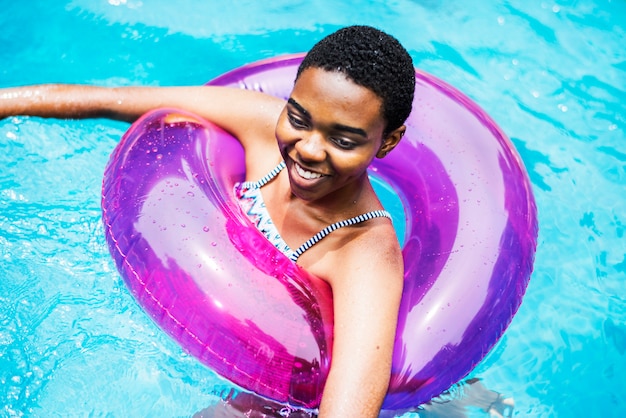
pixel 202 271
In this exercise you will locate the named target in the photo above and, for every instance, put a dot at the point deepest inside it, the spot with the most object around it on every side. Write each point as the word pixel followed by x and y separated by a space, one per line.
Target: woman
pixel 351 96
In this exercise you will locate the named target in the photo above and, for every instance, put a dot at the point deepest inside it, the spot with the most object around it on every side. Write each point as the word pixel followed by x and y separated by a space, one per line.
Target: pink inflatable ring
pixel 208 278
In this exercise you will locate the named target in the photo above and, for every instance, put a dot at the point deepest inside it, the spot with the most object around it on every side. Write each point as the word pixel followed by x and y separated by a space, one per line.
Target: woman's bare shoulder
pixel 368 254
pixel 376 248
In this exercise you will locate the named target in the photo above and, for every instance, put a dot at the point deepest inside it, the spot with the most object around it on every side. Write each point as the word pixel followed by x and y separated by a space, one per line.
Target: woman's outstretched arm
pixel 244 113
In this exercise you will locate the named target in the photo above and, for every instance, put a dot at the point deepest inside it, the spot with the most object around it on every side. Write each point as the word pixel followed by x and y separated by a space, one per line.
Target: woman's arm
pixel 366 294
pixel 243 113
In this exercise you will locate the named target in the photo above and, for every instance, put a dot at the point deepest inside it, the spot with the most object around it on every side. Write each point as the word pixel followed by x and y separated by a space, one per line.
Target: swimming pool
pixel 552 74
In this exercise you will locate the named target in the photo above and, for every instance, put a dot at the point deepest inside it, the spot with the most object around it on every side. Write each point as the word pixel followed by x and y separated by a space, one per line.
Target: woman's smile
pixel 305 182
pixel 304 173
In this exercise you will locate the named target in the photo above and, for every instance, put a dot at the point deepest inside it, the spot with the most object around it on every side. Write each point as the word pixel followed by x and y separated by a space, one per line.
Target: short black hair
pixel 372 59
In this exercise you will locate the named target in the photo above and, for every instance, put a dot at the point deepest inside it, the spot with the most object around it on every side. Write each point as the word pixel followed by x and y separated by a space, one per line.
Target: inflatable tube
pixel 206 276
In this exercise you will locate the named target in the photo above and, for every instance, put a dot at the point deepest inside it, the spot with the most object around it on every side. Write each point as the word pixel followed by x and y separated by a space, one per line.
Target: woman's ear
pixel 390 142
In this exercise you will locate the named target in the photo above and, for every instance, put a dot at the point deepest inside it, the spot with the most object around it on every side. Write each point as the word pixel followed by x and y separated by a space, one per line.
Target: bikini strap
pixel 330 228
pixel 266 179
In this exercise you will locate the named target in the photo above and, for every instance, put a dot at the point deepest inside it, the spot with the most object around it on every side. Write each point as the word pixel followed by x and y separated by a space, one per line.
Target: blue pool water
pixel 552 74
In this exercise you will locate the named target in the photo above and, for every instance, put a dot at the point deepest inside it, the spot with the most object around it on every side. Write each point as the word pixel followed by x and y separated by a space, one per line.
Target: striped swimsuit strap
pixel 266 179
pixel 330 228
pixel 294 255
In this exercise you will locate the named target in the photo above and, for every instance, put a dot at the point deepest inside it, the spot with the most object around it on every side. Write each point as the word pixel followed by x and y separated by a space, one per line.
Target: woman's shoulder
pixel 375 243
pixel 369 252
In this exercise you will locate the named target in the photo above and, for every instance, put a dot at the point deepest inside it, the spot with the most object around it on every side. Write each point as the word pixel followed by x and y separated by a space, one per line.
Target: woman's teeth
pixel 307 174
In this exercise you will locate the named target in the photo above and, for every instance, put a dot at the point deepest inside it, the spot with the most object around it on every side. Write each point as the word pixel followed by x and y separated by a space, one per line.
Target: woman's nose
pixel 311 147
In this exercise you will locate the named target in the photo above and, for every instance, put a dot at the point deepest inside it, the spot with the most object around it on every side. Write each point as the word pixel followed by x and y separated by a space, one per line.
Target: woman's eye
pixel 343 143
pixel 296 122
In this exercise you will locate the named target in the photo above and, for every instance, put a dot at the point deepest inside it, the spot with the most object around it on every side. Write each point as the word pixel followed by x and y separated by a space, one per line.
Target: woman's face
pixel 328 134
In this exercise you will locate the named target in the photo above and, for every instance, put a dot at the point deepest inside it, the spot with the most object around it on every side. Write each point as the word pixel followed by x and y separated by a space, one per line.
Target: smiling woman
pixel 170 175
pixel 461 284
